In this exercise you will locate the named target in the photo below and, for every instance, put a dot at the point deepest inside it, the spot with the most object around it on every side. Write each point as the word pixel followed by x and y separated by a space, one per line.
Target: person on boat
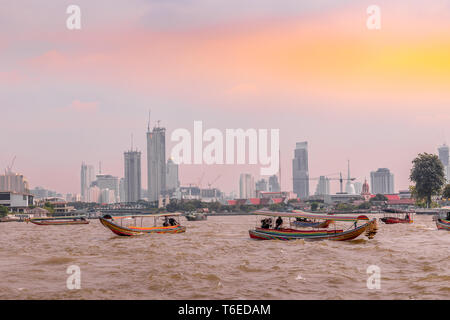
pixel 279 222
pixel 166 222
pixel 265 223
pixel 172 222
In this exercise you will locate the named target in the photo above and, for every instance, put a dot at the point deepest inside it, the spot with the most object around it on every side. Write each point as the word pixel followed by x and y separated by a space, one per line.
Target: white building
pixel 382 181
pixel 15 201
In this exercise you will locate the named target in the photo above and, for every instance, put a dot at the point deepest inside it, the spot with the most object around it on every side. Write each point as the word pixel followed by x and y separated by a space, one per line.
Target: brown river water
pixel 216 259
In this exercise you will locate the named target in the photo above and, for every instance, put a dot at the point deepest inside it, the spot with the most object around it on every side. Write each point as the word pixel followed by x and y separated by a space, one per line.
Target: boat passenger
pixel 172 222
pixel 166 222
pixel 265 224
pixel 279 222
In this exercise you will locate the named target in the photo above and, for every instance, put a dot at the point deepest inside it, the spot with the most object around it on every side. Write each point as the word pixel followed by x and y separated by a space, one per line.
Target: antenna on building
pixel 148 124
pixel 99 167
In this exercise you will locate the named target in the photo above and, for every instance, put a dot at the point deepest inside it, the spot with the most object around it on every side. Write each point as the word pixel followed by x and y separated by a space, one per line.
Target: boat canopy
pixel 306 215
pixel 156 215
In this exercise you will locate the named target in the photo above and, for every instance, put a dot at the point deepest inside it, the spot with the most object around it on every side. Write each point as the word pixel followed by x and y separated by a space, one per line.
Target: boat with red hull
pixel 130 226
pixel 443 219
pixel 393 216
pixel 267 232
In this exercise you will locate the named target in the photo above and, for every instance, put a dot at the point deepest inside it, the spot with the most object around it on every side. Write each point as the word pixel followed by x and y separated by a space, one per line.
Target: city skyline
pixel 312 70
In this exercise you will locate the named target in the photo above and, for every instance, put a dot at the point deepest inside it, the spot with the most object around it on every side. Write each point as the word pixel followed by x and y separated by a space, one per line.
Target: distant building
pixel 15 201
pixel 13 182
pixel 122 196
pixel 444 157
pixel 41 193
pixel 94 194
pixel 358 187
pixel 246 186
pixel 300 171
pixel 365 192
pixel 86 178
pixel 132 176
pixel 261 185
pixel 274 185
pixel 323 186
pixel 156 162
pixel 172 181
pixel 107 181
pixel 382 181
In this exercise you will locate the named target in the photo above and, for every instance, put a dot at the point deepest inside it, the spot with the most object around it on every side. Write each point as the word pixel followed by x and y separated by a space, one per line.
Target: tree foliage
pixel 428 175
pixel 3 211
pixel 379 197
pixel 446 192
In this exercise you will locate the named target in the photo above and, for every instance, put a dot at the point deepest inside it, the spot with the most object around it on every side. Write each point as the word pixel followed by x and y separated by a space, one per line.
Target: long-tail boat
pixel 268 232
pixel 58 221
pixel 196 216
pixel 134 225
pixel 443 219
pixel 393 216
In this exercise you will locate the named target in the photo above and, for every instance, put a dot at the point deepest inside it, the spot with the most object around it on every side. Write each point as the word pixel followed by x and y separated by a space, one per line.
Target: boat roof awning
pixel 156 215
pixel 302 214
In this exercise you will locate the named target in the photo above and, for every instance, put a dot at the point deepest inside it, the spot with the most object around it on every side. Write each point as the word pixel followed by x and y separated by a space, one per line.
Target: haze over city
pixel 314 71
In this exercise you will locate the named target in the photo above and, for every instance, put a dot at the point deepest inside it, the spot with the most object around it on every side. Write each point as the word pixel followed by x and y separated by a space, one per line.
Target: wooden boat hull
pixel 308 224
pixel 314 235
pixel 136 231
pixel 443 224
pixel 58 223
pixel 197 217
pixel 394 220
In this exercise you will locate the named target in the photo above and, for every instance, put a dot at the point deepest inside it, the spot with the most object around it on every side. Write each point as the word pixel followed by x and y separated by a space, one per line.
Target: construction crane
pixel 9 168
pixel 214 181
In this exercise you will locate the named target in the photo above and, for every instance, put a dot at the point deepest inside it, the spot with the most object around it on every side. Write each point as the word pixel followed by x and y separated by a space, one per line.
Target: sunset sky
pixel 314 71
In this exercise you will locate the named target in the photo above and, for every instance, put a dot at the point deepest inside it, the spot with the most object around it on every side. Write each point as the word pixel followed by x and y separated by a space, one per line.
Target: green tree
pixel 428 175
pixel 379 197
pixel 314 206
pixel 3 211
pixel 365 205
pixel 446 192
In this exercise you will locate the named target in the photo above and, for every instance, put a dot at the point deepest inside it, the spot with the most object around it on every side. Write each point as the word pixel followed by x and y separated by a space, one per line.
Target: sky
pixel 313 70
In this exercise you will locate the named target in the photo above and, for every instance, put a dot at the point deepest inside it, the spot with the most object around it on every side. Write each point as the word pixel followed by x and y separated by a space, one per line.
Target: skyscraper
pixel 382 181
pixel 132 176
pixel 156 162
pixel 274 185
pixel 323 186
pixel 444 157
pixel 172 181
pixel 246 186
pixel 87 177
pixel 300 170
pixel 261 185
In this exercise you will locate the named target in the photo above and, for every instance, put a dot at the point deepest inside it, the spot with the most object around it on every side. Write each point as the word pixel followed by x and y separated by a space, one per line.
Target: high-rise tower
pixel 156 162
pixel 300 170
pixel 132 176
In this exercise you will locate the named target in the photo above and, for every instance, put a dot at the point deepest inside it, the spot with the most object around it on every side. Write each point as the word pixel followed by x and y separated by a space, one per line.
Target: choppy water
pixel 216 259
